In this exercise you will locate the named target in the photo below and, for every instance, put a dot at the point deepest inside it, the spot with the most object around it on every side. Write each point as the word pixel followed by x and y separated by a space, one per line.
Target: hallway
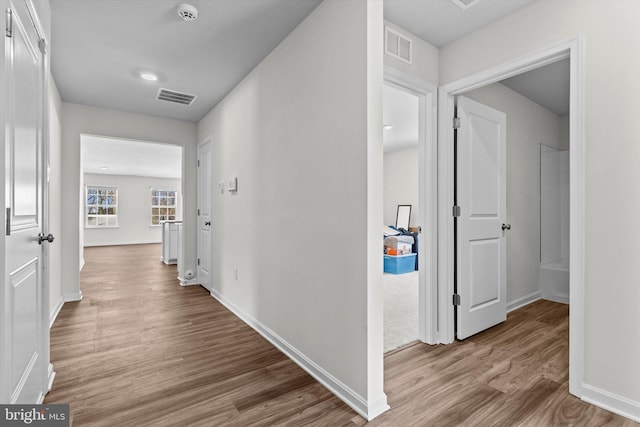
pixel 139 350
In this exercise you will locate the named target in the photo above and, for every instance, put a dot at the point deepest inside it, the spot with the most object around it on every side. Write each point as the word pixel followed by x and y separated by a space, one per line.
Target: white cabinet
pixel 170 241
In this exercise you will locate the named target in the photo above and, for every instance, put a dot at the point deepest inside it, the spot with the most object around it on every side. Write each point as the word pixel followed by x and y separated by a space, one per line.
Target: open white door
pixel 204 214
pixel 480 230
pixel 24 312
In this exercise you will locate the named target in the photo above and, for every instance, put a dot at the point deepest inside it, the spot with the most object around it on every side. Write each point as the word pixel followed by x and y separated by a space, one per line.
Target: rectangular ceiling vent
pixel 176 97
pixel 464 4
pixel 397 45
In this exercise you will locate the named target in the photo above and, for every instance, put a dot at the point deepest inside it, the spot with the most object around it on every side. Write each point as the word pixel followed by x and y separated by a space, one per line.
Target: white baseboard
pixel 76 296
pixel 137 242
pixel 188 282
pixel 81 264
pixel 525 300
pixel 342 391
pixel 55 312
pixel 611 402
pixel 51 377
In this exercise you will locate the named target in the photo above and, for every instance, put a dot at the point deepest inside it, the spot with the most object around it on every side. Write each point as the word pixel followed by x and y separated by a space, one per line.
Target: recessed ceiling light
pixel 387 127
pixel 149 77
pixel 104 168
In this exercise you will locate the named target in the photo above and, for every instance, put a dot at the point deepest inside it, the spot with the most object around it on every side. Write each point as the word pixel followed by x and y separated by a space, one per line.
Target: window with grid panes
pixel 163 205
pixel 102 206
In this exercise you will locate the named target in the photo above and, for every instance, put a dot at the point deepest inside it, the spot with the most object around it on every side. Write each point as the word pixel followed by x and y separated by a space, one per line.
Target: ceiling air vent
pixel 464 4
pixel 397 45
pixel 177 97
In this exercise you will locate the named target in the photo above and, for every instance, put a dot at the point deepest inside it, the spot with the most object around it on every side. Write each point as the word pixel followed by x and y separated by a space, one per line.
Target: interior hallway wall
pixel 303 134
pixel 401 184
pixel 611 153
pixel 56 295
pixel 528 126
pixel 81 119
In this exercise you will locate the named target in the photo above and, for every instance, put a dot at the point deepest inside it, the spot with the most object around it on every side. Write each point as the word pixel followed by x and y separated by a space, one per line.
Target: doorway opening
pixel 410 171
pixel 132 194
pixel 570 52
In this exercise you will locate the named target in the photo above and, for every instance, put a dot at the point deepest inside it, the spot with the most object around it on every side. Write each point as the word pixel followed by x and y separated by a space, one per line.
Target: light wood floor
pixel 139 350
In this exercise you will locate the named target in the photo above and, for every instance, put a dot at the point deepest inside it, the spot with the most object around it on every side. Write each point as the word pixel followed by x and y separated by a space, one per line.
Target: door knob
pixel 207 223
pixel 506 227
pixel 42 238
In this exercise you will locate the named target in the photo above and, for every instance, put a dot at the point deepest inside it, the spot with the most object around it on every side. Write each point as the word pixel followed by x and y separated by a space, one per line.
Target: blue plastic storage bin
pixel 399 264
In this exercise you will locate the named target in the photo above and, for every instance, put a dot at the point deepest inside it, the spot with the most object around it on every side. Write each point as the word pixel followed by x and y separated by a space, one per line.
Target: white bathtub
pixel 554 281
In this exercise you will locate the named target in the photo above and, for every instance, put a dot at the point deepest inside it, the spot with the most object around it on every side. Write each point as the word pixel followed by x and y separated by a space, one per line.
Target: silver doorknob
pixel 207 223
pixel 506 227
pixel 42 238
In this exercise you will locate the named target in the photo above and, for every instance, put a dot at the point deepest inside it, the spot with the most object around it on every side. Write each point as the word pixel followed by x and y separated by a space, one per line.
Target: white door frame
pixel 427 190
pixel 199 189
pixel 572 49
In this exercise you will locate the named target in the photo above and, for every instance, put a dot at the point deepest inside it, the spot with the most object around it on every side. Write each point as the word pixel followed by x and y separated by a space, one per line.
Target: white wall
pixel 528 126
pixel 611 151
pixel 56 297
pixel 81 119
pixel 401 184
pixel 425 58
pixel 303 134
pixel 134 209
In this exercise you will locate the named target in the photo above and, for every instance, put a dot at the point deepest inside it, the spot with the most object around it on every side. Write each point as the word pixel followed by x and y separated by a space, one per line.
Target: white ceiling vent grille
pixel 464 4
pixel 397 45
pixel 177 97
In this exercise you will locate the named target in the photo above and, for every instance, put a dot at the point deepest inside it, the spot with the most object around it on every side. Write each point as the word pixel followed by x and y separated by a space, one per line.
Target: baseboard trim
pixel 343 392
pixel 188 282
pixel 139 242
pixel 55 312
pixel 51 377
pixel 525 300
pixel 611 402
pixel 76 296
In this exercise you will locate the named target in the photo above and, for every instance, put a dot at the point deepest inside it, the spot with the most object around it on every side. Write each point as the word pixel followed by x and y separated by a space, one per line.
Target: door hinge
pixel 456 122
pixel 8 221
pixel 198 212
pixel 456 299
pixel 9 22
pixel 456 211
pixel 198 163
pixel 198 261
pixel 42 44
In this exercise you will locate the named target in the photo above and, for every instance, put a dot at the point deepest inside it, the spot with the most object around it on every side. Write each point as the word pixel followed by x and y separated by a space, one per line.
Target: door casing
pixel 572 49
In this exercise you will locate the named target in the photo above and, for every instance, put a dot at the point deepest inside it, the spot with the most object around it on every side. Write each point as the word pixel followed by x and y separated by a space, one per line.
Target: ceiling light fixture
pixel 387 127
pixel 104 168
pixel 149 76
pixel 187 12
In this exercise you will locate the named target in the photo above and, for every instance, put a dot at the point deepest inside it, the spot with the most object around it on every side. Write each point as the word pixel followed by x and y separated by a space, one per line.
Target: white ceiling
pixel 400 109
pixel 441 22
pixel 101 46
pixel 547 86
pixel 123 157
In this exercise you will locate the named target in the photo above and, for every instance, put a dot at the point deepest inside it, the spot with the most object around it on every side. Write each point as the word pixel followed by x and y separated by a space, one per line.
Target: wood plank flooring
pixel 139 350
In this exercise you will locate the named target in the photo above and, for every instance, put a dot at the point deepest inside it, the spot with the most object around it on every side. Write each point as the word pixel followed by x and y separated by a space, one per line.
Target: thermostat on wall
pixel 233 184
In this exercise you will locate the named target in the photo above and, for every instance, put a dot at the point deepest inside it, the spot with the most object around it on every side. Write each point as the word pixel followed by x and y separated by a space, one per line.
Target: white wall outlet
pixel 233 184
pixel 221 187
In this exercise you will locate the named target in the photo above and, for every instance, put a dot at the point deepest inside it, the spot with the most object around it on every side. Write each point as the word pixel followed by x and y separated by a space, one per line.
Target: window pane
pixel 91 221
pixel 171 211
pixel 101 221
pixel 155 220
pixel 112 221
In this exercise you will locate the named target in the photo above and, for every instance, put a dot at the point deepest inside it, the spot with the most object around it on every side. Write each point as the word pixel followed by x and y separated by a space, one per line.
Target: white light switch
pixel 233 184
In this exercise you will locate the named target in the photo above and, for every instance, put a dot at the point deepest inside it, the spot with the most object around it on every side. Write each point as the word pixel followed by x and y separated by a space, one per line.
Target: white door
pixel 480 236
pixel 204 214
pixel 24 358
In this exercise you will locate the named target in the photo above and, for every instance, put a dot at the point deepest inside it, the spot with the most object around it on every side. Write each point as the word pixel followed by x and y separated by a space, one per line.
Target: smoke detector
pixel 187 12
